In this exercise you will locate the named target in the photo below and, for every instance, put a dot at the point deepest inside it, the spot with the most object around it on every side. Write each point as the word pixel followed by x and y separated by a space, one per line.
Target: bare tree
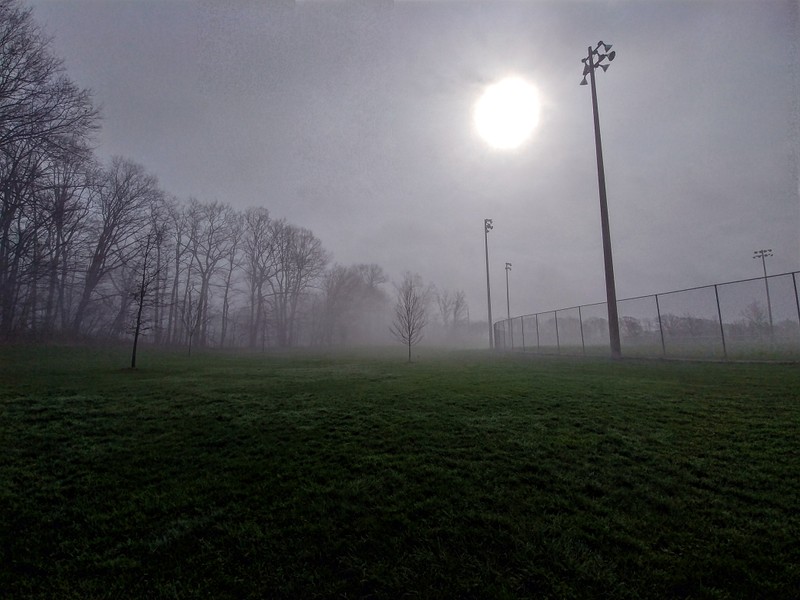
pixel 235 237
pixel 43 118
pixel 445 301
pixel 190 309
pixel 126 196
pixel 756 317
pixel 42 113
pixel 259 266
pixel 341 291
pixel 374 303
pixel 148 272
pixel 67 199
pixel 631 327
pixel 410 311
pixel 460 309
pixel 210 240
pixel 37 101
pixel 176 216
pixel 19 170
pixel 453 312
pixel 300 261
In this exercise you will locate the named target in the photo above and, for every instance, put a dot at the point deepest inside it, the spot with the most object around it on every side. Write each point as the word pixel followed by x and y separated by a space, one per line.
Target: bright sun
pixel 507 113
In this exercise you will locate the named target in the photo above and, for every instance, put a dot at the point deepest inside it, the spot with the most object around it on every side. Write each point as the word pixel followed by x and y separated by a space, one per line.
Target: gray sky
pixel 354 119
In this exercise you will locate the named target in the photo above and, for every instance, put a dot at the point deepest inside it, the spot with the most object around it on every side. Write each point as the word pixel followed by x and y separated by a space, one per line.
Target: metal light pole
pixel 762 254
pixel 487 227
pixel 611 293
pixel 509 327
pixel 508 302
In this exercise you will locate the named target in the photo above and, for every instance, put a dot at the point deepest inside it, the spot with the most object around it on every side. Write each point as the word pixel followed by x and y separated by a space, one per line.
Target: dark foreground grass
pixel 458 476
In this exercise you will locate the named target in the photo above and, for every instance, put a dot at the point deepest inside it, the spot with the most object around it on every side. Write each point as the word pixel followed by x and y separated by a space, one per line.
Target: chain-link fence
pixel 750 318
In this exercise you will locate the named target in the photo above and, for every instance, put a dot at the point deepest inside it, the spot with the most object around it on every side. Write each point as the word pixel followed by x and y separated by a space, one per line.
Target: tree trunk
pixel 138 328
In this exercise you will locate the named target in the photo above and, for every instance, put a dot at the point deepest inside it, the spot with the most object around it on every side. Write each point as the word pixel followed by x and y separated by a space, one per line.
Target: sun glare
pixel 507 113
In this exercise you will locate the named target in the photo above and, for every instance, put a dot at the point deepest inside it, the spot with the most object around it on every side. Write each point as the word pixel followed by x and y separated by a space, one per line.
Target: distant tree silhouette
pixel 410 311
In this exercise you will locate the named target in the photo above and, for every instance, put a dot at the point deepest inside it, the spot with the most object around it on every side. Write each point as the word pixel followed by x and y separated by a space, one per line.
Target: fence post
pixel 721 328
pixel 558 340
pixel 522 331
pixel 538 345
pixel 796 299
pixel 580 322
pixel 660 328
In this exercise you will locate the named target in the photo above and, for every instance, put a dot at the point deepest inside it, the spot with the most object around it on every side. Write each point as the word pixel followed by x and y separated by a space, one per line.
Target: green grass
pixel 463 475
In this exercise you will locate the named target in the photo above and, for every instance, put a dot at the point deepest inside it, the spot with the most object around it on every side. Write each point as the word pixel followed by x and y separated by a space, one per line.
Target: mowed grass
pixel 459 476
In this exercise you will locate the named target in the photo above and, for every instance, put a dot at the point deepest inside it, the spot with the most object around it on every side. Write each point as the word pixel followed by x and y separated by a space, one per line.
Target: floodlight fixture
pixel 595 59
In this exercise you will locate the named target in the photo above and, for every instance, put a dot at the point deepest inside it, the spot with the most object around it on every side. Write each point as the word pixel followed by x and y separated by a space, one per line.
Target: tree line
pixel 100 250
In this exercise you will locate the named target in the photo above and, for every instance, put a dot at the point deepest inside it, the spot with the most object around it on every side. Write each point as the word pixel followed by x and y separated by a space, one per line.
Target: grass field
pixel 461 475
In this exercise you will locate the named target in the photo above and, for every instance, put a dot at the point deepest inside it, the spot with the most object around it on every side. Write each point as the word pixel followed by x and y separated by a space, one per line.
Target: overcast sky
pixel 353 119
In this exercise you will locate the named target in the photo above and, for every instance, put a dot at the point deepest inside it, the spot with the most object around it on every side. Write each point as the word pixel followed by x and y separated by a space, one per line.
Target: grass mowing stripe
pixel 463 475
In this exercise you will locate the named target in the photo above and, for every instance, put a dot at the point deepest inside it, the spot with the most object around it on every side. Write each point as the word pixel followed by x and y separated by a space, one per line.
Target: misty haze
pixel 448 299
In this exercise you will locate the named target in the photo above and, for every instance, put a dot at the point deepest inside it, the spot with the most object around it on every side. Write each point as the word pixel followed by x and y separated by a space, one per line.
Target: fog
pixel 353 121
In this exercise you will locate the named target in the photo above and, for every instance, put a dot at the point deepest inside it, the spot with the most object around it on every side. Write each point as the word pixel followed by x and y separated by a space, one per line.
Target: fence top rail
pixel 691 289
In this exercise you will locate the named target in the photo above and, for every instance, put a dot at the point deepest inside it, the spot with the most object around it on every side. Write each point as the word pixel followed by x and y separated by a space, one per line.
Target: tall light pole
pixel 487 227
pixel 611 293
pixel 508 307
pixel 508 302
pixel 763 254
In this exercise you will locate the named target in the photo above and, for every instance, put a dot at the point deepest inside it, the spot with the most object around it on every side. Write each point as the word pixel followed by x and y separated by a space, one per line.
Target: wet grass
pixel 461 475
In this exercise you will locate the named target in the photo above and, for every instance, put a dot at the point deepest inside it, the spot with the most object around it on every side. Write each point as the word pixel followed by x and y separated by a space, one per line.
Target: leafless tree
pixel 300 261
pixel 460 309
pixel 148 275
pixel 67 198
pixel 348 305
pixel 631 327
pixel 209 239
pixel 374 307
pixel 341 292
pixel 126 196
pixel 189 311
pixel 452 311
pixel 259 266
pixel 410 311
pixel 37 101
pixel 232 258
pixel 44 118
pixel 444 301
pixel 176 216
pixel 19 222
